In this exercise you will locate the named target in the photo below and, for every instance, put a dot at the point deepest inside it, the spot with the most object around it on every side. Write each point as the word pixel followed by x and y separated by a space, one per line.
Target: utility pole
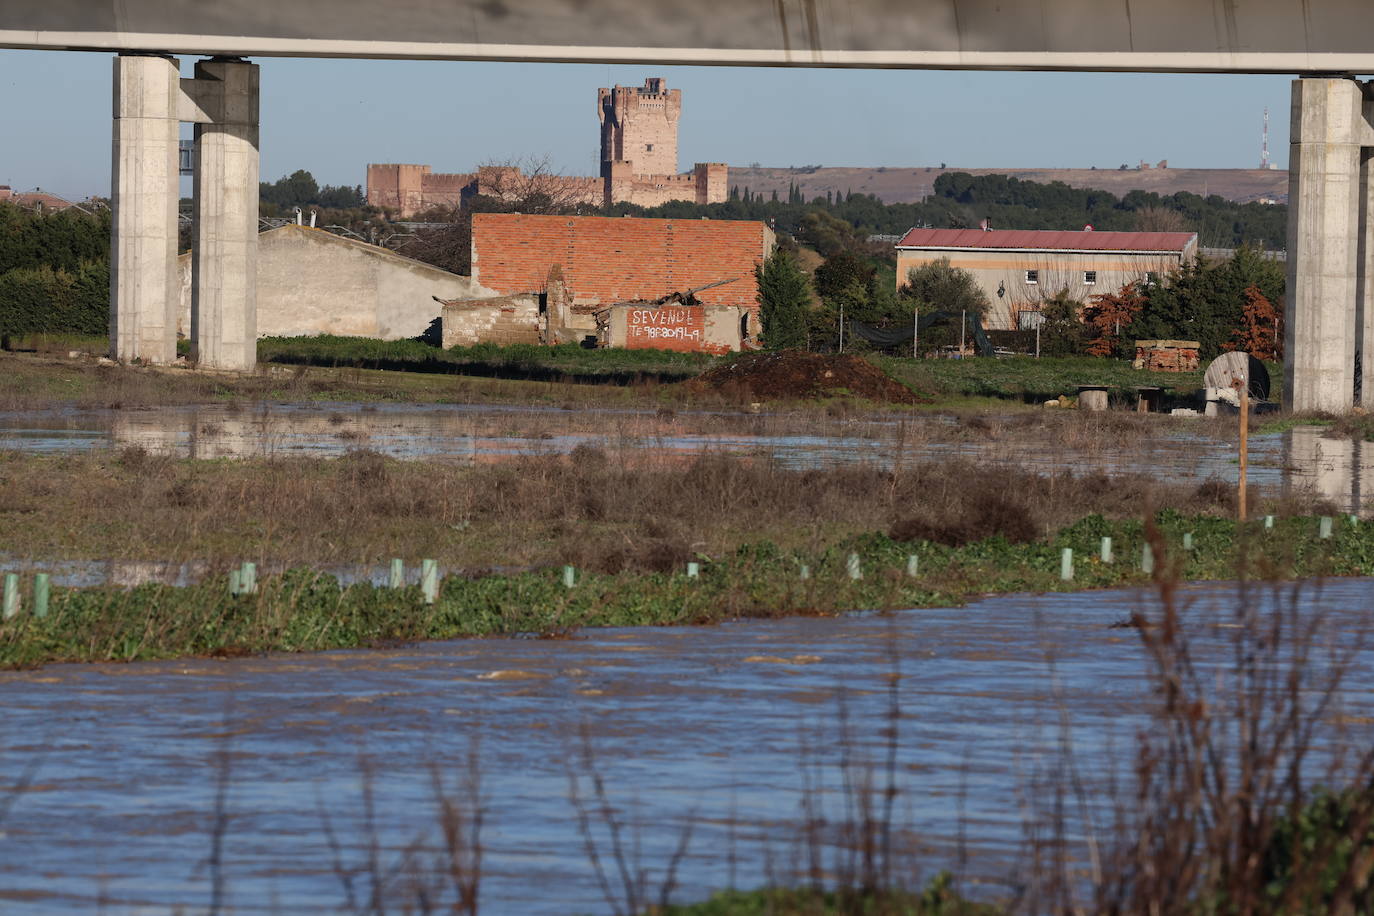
pixel 915 332
pixel 963 325
pixel 841 325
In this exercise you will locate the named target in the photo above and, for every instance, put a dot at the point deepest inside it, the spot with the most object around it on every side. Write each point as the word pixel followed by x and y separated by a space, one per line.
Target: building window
pixel 648 147
pixel 1090 277
pixel 1032 276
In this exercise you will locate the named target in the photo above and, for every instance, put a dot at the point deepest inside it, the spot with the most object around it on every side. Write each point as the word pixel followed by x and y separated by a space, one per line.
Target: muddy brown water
pixel 708 724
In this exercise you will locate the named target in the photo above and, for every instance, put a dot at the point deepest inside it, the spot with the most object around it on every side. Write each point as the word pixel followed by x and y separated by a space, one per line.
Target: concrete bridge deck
pixel 1283 36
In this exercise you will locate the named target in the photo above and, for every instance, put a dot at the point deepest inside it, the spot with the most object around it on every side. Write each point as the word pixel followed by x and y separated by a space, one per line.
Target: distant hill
pixel 909 185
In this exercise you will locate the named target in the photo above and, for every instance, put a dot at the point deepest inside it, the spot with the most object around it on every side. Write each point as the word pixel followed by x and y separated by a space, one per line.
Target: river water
pixel 714 725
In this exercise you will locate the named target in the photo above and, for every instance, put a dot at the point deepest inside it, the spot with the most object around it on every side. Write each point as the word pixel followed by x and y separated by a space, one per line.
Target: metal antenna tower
pixel 1264 146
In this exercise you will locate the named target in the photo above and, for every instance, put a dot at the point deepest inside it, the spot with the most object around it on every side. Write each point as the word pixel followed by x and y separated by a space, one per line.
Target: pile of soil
pixel 798 375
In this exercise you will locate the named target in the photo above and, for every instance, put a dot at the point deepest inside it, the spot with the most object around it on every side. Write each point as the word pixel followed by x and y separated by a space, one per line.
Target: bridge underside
pixel 1277 36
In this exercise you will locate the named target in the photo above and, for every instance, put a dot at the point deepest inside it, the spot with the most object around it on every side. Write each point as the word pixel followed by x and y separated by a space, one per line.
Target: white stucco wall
pixel 314 282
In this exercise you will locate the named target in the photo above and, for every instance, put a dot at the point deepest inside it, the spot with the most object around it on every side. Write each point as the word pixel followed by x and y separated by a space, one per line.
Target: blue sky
pixel 334 116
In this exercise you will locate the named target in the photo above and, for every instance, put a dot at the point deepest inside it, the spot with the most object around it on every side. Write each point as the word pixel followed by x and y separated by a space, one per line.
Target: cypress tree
pixel 784 295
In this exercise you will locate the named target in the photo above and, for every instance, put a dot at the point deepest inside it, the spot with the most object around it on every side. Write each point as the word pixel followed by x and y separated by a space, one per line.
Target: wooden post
pixel 41 585
pixel 1244 441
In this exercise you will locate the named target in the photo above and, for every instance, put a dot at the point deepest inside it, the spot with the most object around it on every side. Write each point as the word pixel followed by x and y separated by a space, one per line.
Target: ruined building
pixel 638 164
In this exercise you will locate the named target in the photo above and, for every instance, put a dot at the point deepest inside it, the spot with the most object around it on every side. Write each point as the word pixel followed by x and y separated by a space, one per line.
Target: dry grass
pixel 588 508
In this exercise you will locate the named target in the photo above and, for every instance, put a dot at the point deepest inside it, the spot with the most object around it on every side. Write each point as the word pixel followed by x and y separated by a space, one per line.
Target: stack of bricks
pixel 1167 355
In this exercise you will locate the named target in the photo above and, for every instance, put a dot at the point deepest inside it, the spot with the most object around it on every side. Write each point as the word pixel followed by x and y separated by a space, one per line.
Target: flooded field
pixel 1194 450
pixel 709 725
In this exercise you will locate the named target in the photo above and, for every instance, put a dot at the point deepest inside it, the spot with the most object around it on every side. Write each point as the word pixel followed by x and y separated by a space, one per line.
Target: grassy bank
pixel 1029 380
pixel 301 610
pixel 362 369
pixel 563 363
pixel 46 382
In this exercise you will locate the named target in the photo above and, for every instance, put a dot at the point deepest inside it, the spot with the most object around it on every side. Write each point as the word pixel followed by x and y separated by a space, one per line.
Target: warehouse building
pixel 1019 269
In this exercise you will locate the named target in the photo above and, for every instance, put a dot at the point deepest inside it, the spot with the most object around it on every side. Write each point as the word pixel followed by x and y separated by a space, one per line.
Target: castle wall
pixel 606 260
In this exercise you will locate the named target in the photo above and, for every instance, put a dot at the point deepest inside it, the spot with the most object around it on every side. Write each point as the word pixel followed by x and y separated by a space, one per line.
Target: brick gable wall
pixel 608 259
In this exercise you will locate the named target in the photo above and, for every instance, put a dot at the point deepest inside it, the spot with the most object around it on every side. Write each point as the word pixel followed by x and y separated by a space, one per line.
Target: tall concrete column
pixel 224 266
pixel 1323 245
pixel 144 288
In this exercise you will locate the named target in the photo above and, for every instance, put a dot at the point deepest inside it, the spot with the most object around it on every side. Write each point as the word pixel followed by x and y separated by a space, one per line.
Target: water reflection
pixel 1341 470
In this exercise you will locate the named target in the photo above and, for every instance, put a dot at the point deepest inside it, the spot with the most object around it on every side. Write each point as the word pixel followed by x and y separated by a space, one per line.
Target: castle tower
pixel 639 125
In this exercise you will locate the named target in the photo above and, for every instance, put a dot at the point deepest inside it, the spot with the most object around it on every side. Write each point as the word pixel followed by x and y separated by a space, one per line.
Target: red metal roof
pixel 1047 240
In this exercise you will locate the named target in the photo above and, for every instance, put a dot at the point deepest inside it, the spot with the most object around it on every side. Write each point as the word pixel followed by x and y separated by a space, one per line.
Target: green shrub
pixel 44 300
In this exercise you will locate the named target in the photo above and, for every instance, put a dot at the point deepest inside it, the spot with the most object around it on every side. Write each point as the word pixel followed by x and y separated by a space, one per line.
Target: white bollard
pixel 1147 560
pixel 11 595
pixel 429 580
pixel 913 566
pixel 1066 564
pixel 1106 552
pixel 1324 527
pixel 852 567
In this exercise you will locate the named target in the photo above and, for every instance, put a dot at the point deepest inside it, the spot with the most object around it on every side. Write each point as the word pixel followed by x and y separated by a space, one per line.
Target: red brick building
pixel 619 259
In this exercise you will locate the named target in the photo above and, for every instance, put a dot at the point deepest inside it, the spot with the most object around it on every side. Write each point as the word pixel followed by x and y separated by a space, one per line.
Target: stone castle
pixel 638 164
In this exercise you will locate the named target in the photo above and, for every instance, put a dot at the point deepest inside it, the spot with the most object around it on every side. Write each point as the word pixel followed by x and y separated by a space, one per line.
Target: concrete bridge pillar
pixel 144 287
pixel 150 102
pixel 1326 318
pixel 224 327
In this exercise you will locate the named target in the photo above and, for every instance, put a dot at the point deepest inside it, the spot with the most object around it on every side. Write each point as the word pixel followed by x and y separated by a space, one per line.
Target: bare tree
pixel 1159 219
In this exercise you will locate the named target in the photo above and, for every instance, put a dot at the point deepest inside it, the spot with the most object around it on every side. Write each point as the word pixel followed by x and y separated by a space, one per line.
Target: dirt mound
pixel 797 375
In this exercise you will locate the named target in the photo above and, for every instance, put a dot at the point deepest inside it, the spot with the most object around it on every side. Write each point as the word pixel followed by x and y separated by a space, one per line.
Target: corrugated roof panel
pixel 1047 240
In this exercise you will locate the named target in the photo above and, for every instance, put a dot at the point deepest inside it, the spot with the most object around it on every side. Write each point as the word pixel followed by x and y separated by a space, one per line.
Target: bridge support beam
pixel 1329 313
pixel 145 291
